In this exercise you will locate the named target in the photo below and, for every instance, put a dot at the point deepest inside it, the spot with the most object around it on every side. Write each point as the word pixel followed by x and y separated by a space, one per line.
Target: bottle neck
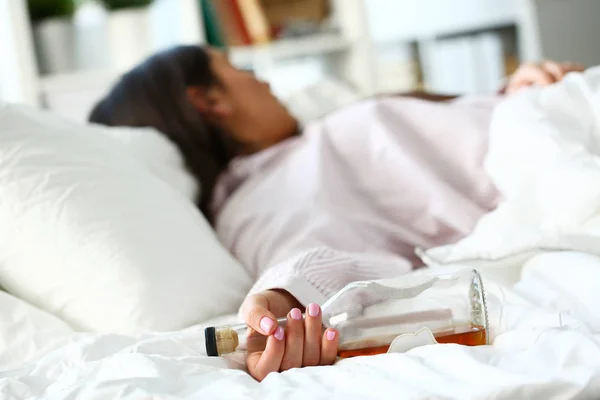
pixel 229 339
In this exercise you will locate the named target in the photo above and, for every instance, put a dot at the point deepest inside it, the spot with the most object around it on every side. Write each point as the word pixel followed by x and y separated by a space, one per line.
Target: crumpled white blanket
pixel 544 348
pixel 542 244
pixel 544 157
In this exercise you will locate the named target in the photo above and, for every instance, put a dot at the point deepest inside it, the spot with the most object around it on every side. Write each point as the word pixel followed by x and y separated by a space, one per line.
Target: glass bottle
pixel 372 316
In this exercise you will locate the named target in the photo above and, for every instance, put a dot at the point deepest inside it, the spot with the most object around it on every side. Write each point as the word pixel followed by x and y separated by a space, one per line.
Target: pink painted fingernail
pixel 266 324
pixel 313 310
pixel 279 333
pixel 330 335
pixel 296 314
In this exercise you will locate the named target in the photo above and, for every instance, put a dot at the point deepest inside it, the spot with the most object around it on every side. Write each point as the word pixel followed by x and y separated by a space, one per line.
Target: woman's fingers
pixel 303 343
pixel 312 336
pixel 555 70
pixel 257 315
pixel 294 341
pixel 528 75
pixel 559 70
pixel 329 347
pixel 533 75
pixel 545 74
pixel 261 364
pixel 572 67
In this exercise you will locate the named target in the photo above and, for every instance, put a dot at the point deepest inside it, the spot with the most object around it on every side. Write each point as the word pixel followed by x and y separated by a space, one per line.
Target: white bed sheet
pixel 546 346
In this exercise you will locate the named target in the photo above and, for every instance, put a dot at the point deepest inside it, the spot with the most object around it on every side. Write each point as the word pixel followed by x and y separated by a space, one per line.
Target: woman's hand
pixel 542 75
pixel 302 344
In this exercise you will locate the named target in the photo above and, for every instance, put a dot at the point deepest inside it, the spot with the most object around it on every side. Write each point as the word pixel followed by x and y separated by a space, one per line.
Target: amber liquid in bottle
pixel 468 336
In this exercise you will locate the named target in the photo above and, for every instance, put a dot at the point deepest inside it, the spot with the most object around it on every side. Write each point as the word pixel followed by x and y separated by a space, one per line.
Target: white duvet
pixel 540 352
pixel 538 250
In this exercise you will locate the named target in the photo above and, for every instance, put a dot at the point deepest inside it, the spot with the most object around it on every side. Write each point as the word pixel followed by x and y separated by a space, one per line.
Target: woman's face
pixel 246 108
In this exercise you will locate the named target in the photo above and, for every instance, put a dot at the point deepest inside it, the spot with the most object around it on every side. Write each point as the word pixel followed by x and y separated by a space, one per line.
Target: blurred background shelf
pixel 339 46
pixel 322 53
pixel 244 56
pixel 417 20
pixel 78 80
pixel 285 49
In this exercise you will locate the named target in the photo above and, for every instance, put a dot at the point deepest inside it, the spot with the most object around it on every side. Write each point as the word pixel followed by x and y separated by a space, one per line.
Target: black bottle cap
pixel 210 337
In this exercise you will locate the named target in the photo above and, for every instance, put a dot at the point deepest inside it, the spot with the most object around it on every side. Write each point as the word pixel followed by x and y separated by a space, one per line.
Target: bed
pixel 538 253
pixel 544 348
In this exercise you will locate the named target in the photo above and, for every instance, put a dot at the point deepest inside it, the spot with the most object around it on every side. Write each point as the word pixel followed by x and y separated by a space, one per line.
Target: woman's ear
pixel 211 102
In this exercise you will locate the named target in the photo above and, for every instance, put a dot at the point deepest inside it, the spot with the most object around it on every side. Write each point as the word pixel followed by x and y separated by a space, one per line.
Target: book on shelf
pixel 249 22
pixel 235 22
pixel 255 20
pixel 212 26
pixel 281 12
pixel 232 23
pixel 467 64
pixel 491 59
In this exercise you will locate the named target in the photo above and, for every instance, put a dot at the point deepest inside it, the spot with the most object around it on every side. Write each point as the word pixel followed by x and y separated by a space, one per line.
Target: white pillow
pixel 105 237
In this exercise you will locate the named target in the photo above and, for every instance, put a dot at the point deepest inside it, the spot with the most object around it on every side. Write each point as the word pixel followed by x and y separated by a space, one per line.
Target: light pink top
pixel 353 196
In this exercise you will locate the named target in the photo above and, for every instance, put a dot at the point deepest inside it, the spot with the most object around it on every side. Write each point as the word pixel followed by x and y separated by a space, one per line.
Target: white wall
pixel 17 59
pixel 392 20
pixel 569 30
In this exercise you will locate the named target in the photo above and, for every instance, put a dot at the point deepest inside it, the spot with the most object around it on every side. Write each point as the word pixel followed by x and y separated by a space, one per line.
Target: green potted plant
pixel 125 4
pixel 129 33
pixel 54 34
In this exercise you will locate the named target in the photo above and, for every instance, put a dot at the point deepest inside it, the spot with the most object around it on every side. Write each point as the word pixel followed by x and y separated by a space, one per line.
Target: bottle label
pixel 408 341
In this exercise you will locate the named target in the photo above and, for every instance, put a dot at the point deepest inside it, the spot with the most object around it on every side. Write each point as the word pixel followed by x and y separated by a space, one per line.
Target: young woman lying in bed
pixel 310 209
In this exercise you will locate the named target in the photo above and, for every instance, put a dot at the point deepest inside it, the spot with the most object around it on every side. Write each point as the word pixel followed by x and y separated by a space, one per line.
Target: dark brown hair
pixel 154 95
